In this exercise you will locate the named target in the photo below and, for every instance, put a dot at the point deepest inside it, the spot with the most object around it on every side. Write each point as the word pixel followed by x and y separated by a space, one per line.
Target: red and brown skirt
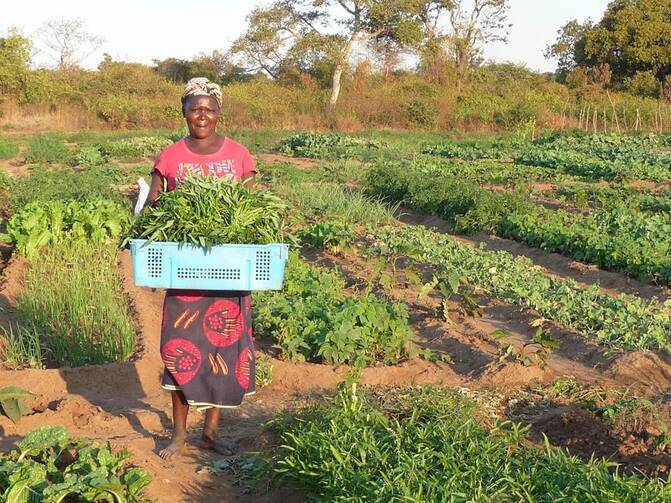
pixel 207 346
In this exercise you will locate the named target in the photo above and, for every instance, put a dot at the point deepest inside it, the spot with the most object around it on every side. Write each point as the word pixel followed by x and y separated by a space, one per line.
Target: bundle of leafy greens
pixel 208 211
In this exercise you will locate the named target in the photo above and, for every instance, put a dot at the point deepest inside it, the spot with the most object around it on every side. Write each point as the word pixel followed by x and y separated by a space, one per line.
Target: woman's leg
pixel 180 410
pixel 211 432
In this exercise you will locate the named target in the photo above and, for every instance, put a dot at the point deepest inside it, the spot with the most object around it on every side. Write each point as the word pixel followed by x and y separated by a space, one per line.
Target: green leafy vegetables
pixel 50 466
pixel 43 223
pixel 208 211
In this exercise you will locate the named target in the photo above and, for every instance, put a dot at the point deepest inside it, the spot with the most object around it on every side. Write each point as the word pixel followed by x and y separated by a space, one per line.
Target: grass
pixel 48 148
pixel 73 299
pixel 56 184
pixel 21 347
pixel 336 202
pixel 426 444
pixel 8 148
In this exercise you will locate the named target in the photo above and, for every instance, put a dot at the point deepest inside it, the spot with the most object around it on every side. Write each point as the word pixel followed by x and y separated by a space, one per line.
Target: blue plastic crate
pixel 223 267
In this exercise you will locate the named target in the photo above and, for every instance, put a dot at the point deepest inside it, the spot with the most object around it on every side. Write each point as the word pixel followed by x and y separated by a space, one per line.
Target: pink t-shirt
pixel 232 161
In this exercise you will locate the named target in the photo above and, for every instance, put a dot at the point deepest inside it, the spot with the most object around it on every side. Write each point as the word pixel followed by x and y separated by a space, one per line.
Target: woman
pixel 206 336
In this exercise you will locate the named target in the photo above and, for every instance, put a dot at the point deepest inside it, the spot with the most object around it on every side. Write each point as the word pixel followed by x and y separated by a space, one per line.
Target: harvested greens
pixel 208 211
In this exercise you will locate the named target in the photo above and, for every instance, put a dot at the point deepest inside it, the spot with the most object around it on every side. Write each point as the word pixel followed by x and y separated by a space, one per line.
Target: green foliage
pixel 11 402
pixel 264 371
pixel 89 157
pixel 421 113
pixel 336 202
pixel 458 199
pixel 207 211
pixel 426 444
pixel 325 145
pixel 64 184
pixel 619 238
pixel 333 236
pixel 629 39
pixel 51 222
pixel 48 466
pixel 312 319
pixel 49 149
pixel 625 322
pixel 22 347
pixel 15 50
pixel 57 305
pixel 8 148
pixel 139 147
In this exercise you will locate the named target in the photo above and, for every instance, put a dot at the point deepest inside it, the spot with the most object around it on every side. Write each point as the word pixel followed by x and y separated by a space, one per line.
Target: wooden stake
pixel 612 106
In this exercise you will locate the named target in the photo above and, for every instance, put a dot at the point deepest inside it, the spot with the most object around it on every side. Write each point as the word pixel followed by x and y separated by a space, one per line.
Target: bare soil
pixel 301 162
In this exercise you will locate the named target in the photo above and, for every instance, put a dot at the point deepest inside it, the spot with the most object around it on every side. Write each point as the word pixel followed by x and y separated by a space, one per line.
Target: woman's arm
pixel 155 188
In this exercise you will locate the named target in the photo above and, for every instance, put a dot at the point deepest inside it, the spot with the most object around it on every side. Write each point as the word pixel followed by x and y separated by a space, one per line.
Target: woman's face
pixel 201 114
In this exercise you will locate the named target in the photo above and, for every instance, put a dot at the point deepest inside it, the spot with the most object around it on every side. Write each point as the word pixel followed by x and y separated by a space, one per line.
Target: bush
pixel 49 149
pixel 644 84
pixel 420 113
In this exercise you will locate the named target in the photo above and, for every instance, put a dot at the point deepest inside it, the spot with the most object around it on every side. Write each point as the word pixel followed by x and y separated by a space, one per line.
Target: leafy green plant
pixel 264 371
pixel 325 145
pixel 207 211
pixel 48 465
pixel 51 222
pixel 49 149
pixel 333 236
pixel 393 447
pixel 624 322
pixel 11 402
pixel 89 156
pixel 312 319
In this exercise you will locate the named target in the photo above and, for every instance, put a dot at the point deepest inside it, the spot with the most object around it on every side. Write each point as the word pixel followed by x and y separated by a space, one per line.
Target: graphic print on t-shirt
pixel 225 168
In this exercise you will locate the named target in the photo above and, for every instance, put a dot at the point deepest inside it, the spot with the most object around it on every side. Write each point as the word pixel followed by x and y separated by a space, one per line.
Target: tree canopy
pixel 633 39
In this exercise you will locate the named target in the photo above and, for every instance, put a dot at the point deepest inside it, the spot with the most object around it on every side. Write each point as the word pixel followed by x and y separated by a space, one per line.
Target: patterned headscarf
pixel 201 86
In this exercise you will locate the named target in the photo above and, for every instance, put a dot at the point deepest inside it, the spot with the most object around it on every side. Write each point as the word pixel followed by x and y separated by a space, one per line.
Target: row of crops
pixel 358 446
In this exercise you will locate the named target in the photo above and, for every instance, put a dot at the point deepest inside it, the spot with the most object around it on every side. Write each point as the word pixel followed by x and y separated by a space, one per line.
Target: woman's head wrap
pixel 201 86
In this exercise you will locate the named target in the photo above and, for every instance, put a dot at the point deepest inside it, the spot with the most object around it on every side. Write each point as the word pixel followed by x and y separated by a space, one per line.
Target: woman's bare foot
pixel 175 447
pixel 224 447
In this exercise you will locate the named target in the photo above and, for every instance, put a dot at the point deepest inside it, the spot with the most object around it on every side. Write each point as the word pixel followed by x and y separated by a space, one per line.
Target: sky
pixel 144 30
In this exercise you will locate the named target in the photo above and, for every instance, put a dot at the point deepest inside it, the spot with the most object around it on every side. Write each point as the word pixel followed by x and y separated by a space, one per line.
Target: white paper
pixel 142 195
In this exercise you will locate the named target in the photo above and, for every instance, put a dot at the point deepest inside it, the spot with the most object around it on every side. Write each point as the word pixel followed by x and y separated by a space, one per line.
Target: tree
pixel 14 61
pixel 474 24
pixel 330 29
pixel 68 42
pixel 569 48
pixel 216 66
pixel 633 39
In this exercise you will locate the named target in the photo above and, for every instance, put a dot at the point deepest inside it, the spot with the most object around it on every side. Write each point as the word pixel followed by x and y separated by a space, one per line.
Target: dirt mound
pixel 645 371
pixel 586 435
pixel 514 375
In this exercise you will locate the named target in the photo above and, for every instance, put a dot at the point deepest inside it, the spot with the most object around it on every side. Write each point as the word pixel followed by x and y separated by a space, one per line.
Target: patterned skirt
pixel 207 346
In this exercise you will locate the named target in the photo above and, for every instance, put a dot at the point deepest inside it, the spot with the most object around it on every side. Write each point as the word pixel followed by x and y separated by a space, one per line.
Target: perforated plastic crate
pixel 223 267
